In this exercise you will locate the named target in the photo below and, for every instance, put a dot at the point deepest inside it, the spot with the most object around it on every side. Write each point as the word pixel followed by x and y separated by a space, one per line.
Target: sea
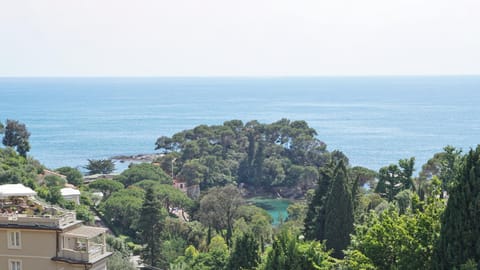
pixel 375 121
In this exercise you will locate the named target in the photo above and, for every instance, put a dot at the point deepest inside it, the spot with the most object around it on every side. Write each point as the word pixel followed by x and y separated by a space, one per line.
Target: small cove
pixel 276 207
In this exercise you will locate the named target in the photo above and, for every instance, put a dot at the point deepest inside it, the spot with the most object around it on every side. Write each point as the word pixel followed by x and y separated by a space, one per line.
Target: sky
pixel 239 38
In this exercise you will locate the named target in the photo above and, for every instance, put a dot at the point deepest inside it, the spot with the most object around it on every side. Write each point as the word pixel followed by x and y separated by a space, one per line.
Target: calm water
pixel 277 208
pixel 375 120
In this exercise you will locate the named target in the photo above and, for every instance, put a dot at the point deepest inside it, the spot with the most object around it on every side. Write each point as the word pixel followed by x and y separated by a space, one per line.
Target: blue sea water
pixel 375 121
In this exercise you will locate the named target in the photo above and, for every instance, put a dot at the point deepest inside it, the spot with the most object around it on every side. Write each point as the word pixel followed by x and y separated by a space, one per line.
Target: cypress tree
pixel 460 234
pixel 150 226
pixel 330 214
pixel 315 217
pixel 339 212
pixel 245 253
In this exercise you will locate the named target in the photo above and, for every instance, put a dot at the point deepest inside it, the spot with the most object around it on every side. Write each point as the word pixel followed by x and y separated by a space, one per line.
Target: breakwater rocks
pixel 136 158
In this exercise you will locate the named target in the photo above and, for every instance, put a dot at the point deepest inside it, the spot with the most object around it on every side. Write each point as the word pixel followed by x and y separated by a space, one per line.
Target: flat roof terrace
pixel 19 208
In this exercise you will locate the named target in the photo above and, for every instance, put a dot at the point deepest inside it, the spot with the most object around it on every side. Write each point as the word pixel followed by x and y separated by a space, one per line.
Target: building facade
pixel 35 236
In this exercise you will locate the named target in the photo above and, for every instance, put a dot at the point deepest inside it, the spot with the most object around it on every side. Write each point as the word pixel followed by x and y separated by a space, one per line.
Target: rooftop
pixel 69 191
pixel 86 232
pixel 10 190
pixel 19 208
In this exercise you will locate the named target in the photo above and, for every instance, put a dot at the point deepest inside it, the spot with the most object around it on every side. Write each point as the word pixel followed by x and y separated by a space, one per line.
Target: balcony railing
pixel 56 221
pixel 94 252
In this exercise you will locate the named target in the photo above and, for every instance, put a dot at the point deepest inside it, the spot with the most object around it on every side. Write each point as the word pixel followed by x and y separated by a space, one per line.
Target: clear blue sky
pixel 239 38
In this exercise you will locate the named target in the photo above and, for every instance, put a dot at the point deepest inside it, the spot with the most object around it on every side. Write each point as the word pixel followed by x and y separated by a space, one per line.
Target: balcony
pixel 83 244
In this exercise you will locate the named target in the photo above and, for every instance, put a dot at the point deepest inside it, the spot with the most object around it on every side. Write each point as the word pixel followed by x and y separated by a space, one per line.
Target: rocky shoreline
pixel 136 158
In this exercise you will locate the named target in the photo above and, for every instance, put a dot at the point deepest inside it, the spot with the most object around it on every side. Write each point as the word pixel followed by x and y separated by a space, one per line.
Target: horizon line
pixel 231 76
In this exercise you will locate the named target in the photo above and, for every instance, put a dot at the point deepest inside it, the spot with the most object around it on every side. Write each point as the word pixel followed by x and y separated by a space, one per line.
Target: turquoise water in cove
pixel 276 208
pixel 374 120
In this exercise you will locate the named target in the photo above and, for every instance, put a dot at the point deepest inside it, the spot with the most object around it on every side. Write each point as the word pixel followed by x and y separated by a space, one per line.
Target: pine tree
pixel 339 213
pixel 152 216
pixel 16 135
pixel 460 234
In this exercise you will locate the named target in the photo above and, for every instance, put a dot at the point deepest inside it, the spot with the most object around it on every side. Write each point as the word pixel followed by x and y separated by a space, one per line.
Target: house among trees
pixel 180 184
pixel 34 235
pixel 71 194
pixel 192 191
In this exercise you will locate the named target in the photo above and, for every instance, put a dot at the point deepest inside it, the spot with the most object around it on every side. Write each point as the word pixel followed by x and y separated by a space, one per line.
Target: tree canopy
pixel 100 166
pixel 73 175
pixel 143 171
pixel 459 238
pixel 16 135
pixel 283 153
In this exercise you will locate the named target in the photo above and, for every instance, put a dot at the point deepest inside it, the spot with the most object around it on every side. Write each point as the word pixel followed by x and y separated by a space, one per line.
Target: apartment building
pixel 37 236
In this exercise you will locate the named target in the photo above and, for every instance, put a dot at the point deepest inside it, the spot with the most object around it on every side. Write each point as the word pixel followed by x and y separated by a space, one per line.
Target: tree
pixel 364 175
pixel 143 171
pixel 395 178
pixel 288 252
pixel 73 175
pixel 442 165
pixel 150 228
pixel 169 196
pixel 119 262
pixel 390 240
pixel 193 172
pixel 16 135
pixel 330 213
pixel 339 213
pixel 459 238
pixel 245 253
pixel 122 209
pixel 106 186
pixel 54 181
pixel 164 143
pixel 100 166
pixel 219 207
pixel 315 217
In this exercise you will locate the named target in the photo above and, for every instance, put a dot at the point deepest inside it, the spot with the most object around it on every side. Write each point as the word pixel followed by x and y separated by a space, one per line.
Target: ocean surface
pixel 375 121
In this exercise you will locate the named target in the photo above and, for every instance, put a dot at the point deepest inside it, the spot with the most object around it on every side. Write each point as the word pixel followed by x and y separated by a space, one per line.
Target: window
pixel 14 265
pixel 14 240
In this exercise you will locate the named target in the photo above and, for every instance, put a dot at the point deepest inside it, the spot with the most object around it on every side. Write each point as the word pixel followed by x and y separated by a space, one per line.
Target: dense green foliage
pixel 288 252
pixel 100 166
pixel 118 261
pixel 330 214
pixel 16 135
pixel 143 171
pixel 347 218
pixel 219 208
pixel 73 175
pixel 339 212
pixel 460 235
pixel 150 227
pixel 245 253
pixel 106 186
pixel 122 209
pixel 395 178
pixel 391 240
pixel 284 153
pixel 17 169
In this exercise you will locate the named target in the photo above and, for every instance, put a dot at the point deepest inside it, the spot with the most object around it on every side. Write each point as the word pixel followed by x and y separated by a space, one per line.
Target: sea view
pixel 375 121
pixel 293 135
